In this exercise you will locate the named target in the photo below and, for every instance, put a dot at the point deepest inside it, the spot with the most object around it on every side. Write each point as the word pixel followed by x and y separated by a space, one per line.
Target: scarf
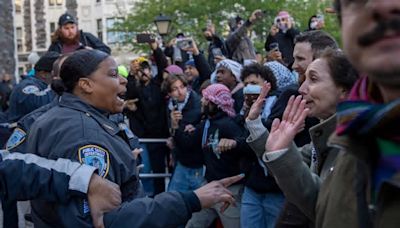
pixel 364 113
pixel 180 105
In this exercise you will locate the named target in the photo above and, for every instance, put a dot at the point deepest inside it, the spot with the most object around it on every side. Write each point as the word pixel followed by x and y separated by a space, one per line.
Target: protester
pixel 216 44
pixel 239 45
pixel 316 22
pixel 184 108
pixel 227 72
pixel 68 38
pixel 324 87
pixel 175 51
pixel 283 33
pixel 262 199
pixel 221 140
pixel 197 70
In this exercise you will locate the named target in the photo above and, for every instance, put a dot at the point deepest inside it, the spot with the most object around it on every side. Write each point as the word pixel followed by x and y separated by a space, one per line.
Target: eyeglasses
pixel 281 19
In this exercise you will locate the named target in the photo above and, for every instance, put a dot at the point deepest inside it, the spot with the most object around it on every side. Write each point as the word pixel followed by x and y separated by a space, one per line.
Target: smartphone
pixel 145 38
pixel 184 43
pixel 274 46
pixel 217 52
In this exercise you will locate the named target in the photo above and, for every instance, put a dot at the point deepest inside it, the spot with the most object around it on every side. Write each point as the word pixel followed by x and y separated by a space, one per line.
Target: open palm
pixel 283 132
pixel 257 106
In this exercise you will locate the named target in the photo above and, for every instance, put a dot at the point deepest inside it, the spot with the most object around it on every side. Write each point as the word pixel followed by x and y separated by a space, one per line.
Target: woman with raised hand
pixel 300 171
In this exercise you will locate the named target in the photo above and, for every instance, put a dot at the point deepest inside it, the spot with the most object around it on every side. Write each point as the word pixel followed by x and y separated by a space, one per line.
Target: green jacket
pixel 292 171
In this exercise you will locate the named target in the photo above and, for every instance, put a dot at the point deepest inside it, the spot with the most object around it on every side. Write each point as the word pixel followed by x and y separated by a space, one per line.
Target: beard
pixel 74 40
pixel 210 110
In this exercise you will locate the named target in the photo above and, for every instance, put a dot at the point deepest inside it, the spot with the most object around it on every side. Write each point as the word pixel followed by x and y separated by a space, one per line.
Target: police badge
pixel 17 137
pixel 95 156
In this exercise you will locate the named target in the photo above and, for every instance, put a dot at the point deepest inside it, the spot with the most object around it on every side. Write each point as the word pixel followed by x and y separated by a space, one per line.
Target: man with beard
pixel 69 38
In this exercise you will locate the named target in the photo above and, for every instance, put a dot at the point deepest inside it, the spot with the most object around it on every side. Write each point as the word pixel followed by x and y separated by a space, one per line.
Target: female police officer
pixel 78 128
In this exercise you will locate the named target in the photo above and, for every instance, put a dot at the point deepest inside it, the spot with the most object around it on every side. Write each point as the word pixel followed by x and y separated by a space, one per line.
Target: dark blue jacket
pixel 28 95
pixel 78 131
pixel 188 154
pixel 218 165
pixel 27 176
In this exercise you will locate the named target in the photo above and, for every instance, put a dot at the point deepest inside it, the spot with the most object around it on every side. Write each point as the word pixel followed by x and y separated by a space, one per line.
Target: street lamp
pixel 162 23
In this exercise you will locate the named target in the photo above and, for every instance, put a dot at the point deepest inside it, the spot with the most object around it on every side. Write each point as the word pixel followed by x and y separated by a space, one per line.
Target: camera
pixel 184 43
pixel 145 38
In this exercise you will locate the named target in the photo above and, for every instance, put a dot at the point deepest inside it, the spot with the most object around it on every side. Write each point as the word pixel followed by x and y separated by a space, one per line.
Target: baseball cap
pixel 45 62
pixel 65 19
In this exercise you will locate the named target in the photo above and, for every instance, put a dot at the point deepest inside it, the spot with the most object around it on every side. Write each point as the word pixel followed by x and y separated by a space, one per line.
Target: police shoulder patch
pixel 17 137
pixel 95 156
pixel 30 89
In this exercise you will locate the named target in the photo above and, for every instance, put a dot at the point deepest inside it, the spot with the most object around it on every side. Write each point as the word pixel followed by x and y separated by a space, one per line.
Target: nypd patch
pixel 30 89
pixel 95 156
pixel 17 137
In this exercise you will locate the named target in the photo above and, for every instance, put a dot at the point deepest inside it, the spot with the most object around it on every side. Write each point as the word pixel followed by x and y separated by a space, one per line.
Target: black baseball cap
pixel 65 19
pixel 46 62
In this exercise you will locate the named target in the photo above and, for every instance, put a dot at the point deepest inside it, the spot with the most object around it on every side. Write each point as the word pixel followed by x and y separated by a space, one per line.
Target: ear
pixel 86 85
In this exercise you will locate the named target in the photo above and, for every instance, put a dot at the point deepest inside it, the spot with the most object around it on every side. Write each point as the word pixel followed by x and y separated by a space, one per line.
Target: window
pixel 113 36
pixel 60 2
pixel 52 27
pixel 52 2
pixel 100 29
pixel 18 5
pixel 20 47
pixel 56 2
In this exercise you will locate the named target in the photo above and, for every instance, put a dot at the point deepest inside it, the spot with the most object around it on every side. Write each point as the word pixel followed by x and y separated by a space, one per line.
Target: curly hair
pixel 258 69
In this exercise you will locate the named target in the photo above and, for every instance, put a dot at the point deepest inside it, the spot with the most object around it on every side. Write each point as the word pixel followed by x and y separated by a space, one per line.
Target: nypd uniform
pixel 78 131
pixel 27 176
pixel 27 96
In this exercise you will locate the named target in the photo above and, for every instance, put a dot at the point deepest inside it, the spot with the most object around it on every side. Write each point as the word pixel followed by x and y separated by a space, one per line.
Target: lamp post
pixel 163 24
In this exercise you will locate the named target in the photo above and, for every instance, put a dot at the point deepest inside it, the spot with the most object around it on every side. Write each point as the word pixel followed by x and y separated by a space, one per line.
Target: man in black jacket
pixel 69 38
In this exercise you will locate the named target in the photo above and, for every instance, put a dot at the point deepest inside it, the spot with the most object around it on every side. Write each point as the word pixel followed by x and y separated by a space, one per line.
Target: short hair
pixel 342 72
pixel 319 41
pixel 262 71
pixel 171 79
pixel 80 64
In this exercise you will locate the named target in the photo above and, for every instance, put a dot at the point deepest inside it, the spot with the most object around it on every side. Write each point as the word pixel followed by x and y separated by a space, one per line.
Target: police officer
pixel 78 128
pixel 33 92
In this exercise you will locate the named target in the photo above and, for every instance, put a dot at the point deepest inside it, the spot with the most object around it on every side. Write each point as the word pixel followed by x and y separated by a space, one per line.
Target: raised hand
pixel 257 106
pixel 283 132
pixel 217 192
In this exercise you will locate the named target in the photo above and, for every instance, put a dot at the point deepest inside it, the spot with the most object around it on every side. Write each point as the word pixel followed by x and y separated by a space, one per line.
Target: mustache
pixel 379 32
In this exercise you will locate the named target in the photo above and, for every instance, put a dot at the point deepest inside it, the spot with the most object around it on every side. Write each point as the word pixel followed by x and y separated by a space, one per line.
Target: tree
pixel 190 16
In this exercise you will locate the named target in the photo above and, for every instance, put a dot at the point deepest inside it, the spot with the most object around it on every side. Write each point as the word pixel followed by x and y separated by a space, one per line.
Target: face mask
pixel 313 25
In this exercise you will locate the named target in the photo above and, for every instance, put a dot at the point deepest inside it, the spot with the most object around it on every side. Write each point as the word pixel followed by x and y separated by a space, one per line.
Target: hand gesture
pixel 193 48
pixel 226 144
pixel 131 104
pixel 176 116
pixel 217 192
pixel 103 196
pixel 274 30
pixel 256 107
pixel 283 132
pixel 256 15
pixel 189 128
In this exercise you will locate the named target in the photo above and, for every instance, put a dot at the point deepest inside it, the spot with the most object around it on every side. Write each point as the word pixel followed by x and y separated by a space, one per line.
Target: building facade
pixel 36 20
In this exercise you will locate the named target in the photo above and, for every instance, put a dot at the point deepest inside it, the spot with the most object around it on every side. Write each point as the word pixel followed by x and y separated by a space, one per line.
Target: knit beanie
pixel 173 69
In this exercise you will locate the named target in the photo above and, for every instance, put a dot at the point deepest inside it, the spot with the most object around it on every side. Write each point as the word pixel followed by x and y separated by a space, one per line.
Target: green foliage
pixel 190 16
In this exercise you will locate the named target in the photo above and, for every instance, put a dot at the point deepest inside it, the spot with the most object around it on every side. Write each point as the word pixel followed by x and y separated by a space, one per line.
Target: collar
pixel 321 132
pixel 71 101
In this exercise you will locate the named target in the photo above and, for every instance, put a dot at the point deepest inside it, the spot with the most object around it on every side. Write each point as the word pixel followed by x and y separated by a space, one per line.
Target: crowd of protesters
pixel 305 136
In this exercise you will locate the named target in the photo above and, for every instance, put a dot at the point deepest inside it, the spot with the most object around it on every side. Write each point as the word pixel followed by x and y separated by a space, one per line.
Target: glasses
pixel 282 19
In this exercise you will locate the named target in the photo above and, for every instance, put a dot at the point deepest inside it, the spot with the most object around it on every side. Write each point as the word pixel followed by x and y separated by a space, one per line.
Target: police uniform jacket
pixel 78 131
pixel 27 96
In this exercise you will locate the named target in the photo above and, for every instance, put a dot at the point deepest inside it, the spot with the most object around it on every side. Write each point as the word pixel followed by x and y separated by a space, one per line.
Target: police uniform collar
pixel 71 101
